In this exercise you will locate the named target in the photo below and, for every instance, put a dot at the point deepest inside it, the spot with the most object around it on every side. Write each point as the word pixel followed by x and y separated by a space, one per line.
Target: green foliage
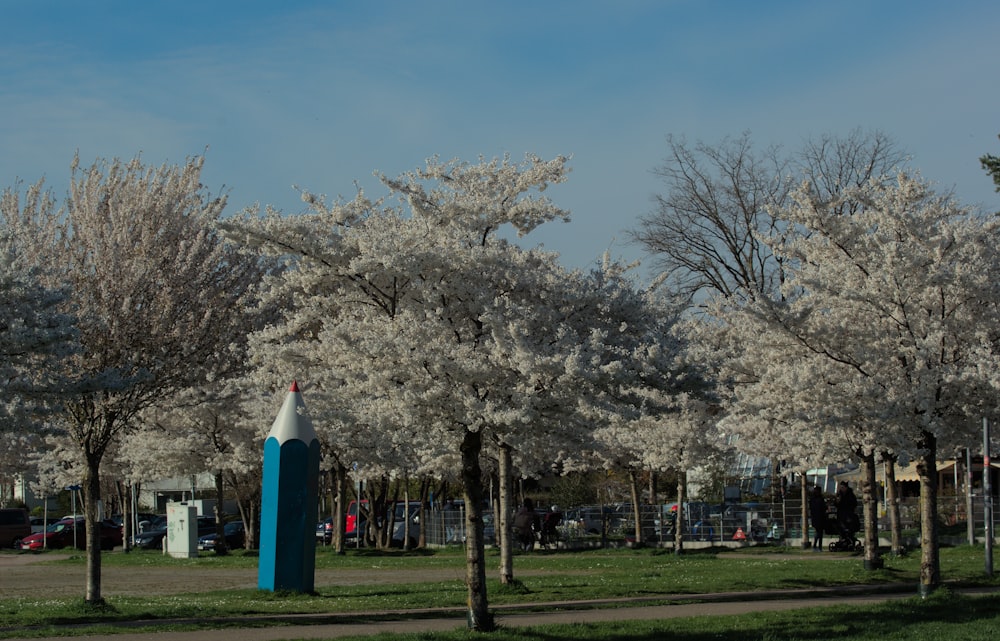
pixel 574 489
pixel 991 164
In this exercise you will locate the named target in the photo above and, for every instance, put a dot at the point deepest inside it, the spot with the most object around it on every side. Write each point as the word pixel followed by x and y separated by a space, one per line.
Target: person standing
pixel 847 510
pixel 526 523
pixel 817 514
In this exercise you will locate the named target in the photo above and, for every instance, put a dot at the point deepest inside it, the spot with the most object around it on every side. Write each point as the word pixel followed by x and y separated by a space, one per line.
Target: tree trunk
pixel 970 518
pixel 804 513
pixel 653 497
pixel 220 524
pixel 406 513
pixel 425 488
pixel 679 515
pixel 869 502
pixel 633 482
pixel 339 505
pixel 892 504
pixel 253 526
pixel 479 618
pixel 930 562
pixel 503 517
pixel 91 507
pixel 128 517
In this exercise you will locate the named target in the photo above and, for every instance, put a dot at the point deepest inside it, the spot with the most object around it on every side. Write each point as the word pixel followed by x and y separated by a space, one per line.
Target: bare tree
pixel 706 231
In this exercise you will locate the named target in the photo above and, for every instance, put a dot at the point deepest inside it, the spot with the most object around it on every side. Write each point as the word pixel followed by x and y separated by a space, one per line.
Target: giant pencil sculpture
pixel 289 501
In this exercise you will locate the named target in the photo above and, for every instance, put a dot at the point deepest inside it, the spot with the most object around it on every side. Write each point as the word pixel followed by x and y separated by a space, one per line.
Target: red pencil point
pixel 295 386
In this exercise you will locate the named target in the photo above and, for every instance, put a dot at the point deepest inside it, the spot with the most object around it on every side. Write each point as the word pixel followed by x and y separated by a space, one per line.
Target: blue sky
pixel 321 94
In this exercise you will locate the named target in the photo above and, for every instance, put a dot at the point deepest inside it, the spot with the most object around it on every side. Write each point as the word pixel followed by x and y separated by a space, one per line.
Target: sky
pixel 323 94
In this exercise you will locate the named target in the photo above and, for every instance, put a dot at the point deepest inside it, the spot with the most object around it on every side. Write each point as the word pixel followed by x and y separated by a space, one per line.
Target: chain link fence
pixel 757 523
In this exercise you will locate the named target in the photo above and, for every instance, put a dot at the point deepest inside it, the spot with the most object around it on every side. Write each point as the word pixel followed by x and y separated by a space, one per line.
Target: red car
pixel 60 535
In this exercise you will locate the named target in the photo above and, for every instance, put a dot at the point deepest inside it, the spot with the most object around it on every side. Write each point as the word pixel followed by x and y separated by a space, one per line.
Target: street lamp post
pixel 72 493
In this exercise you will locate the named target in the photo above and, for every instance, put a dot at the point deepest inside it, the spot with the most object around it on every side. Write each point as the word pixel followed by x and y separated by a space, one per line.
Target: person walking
pixel 817 514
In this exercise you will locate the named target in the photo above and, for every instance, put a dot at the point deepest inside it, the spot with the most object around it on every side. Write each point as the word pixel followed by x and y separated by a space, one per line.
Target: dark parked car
pixel 234 533
pixel 14 526
pixel 324 531
pixel 61 535
pixel 153 539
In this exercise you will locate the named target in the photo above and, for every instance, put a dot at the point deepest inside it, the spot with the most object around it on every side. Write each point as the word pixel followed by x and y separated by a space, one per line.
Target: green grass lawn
pixel 544 577
pixel 944 616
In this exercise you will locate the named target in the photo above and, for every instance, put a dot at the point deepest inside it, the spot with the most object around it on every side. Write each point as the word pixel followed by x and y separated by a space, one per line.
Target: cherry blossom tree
pixel 426 321
pixel 890 310
pixel 674 431
pixel 707 231
pixel 635 417
pixel 34 337
pixel 155 291
pixel 636 354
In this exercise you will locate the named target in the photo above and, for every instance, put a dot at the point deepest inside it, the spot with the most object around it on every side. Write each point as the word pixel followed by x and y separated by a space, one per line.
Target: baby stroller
pixel 845 528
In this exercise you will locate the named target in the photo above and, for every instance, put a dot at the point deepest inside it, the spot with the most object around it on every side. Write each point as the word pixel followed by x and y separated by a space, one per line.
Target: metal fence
pixel 760 523
pixel 615 524
pixel 447 526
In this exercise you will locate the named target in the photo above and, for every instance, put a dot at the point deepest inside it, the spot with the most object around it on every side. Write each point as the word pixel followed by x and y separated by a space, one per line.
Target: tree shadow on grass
pixel 966 617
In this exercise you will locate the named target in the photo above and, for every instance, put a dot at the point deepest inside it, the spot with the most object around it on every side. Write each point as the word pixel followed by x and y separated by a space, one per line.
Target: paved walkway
pixel 333 626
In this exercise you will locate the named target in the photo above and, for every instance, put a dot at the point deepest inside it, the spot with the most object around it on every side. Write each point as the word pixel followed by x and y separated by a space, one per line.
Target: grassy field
pixel 943 616
pixel 545 577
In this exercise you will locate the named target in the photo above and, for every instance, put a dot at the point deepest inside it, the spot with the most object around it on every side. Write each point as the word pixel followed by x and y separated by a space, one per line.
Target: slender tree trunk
pixel 254 524
pixel 804 512
pixel 970 517
pixel 406 513
pixel 930 562
pixel 892 504
pixel 633 481
pixel 339 505
pixel 220 523
pixel 91 506
pixel 869 502
pixel 503 517
pixel 479 617
pixel 425 488
pixel 248 500
pixel 679 517
pixel 127 517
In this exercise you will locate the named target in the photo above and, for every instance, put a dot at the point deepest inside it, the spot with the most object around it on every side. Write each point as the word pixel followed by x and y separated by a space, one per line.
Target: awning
pixel 909 472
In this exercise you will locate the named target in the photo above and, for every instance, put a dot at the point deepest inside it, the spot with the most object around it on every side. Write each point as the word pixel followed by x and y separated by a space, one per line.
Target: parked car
pixel 234 533
pixel 40 523
pixel 152 522
pixel 68 532
pixel 399 529
pixel 119 520
pixel 324 531
pixel 592 519
pixel 355 523
pixel 152 539
pixel 14 526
